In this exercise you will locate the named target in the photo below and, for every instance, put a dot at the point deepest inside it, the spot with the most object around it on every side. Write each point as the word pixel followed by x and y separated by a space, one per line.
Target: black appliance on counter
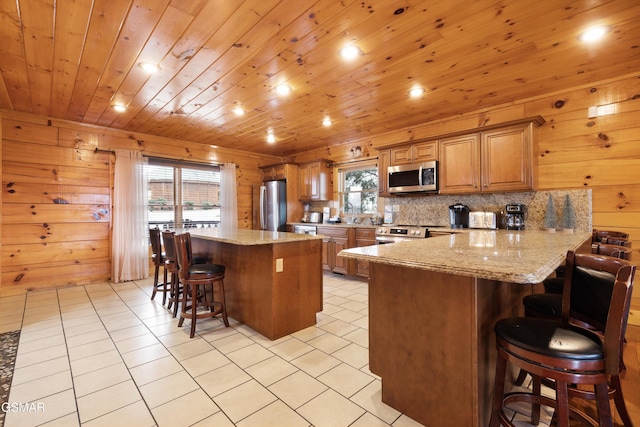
pixel 514 216
pixel 459 216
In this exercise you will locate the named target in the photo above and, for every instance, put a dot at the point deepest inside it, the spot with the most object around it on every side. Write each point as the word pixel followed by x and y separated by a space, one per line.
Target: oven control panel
pixel 403 231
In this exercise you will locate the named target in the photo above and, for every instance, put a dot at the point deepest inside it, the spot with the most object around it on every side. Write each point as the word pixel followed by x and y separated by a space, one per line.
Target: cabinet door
pixel 339 263
pixel 327 243
pixel 364 237
pixel 507 163
pixel 459 170
pixel 425 151
pixel 383 175
pixel 314 181
pixel 305 184
pixel 280 171
pixel 401 155
pixel 267 173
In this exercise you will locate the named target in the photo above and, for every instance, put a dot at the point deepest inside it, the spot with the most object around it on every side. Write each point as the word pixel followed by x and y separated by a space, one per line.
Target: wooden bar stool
pixel 597 294
pixel 158 261
pixel 598 235
pixel 620 241
pixel 196 278
pixel 171 264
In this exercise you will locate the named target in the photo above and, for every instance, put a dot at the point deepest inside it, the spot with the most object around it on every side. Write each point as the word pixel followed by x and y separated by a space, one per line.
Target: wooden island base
pixel 432 341
pixel 272 303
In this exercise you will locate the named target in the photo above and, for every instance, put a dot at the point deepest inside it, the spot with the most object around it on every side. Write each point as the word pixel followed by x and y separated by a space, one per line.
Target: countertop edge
pixel 530 273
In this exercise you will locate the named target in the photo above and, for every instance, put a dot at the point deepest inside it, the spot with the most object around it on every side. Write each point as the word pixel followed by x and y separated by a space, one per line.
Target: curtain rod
pixel 101 150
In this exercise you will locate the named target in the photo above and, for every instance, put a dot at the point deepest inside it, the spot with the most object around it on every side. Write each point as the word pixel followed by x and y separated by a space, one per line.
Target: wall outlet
pixel 279 265
pixel 396 208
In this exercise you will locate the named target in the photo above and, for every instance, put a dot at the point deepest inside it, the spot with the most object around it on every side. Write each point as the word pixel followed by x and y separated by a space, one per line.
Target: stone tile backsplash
pixel 434 210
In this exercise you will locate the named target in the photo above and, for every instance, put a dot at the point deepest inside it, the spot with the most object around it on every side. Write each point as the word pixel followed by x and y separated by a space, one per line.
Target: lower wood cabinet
pixel 334 240
pixel 364 237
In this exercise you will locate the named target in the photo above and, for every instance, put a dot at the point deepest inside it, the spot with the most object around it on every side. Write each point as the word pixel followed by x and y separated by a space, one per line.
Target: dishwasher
pixel 304 229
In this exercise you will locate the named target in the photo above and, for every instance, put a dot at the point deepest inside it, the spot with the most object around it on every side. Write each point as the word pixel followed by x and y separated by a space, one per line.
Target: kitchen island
pixel 273 280
pixel 432 307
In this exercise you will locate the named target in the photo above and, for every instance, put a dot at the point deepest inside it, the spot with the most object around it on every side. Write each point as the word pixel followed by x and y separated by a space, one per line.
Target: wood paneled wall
pixel 56 198
pixel 45 243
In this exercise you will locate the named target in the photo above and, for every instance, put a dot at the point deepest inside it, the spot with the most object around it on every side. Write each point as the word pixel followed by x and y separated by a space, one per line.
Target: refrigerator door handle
pixel 263 208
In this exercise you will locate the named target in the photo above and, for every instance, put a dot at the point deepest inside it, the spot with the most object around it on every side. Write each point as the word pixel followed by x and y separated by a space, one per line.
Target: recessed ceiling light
pixel 148 67
pixel 594 34
pixel 119 108
pixel 238 110
pixel 350 52
pixel 283 89
pixel 270 137
pixel 416 92
pixel 326 121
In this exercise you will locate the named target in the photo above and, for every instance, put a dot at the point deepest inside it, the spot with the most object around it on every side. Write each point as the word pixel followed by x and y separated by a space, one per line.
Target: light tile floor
pixel 106 355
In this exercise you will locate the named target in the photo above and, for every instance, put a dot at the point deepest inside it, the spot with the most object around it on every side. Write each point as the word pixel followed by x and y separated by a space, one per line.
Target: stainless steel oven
pixel 399 233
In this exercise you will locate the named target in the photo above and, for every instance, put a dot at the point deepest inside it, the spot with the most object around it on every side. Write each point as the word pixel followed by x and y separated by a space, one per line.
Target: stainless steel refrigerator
pixel 270 206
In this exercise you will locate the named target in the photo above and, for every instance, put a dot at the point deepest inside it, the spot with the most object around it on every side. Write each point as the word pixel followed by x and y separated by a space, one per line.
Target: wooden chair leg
pixel 194 309
pixel 165 287
pixel 618 398
pixel 535 407
pixel 562 401
pixel 155 281
pixel 224 304
pixel 603 405
pixel 521 377
pixel 183 309
pixel 498 391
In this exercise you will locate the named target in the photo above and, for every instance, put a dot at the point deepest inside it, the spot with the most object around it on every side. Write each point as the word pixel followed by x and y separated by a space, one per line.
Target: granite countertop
pixel 526 257
pixel 246 237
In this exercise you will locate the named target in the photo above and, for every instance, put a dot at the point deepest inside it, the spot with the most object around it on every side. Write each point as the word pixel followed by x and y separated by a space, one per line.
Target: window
pixel 359 188
pixel 183 194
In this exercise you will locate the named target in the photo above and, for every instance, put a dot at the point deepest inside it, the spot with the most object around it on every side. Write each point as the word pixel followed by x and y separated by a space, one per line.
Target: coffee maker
pixel 514 216
pixel 459 216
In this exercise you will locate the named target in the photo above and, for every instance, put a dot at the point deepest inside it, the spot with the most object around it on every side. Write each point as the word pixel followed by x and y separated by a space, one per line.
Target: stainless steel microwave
pixel 413 178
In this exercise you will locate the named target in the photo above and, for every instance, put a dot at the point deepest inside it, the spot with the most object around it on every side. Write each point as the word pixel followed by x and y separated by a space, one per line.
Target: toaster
pixel 483 220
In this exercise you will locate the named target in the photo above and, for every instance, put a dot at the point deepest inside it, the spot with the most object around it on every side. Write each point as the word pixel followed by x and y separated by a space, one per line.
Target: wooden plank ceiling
pixel 75 59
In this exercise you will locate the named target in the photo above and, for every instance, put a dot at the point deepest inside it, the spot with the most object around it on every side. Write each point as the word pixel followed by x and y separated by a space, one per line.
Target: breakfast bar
pixel 432 307
pixel 273 280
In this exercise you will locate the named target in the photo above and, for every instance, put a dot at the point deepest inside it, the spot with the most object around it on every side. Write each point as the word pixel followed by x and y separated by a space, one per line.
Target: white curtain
pixel 130 246
pixel 228 197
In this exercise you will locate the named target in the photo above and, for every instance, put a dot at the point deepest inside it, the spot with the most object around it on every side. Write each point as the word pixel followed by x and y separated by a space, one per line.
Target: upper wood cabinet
pixel 500 159
pixel 315 181
pixel 414 153
pixel 459 164
pixel 383 176
pixel 508 162
pixel 277 171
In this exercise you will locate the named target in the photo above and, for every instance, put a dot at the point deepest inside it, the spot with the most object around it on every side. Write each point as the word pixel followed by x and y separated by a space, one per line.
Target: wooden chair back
pixel 597 291
pixel 611 250
pixel 156 245
pixel 620 241
pixel 170 253
pixel 598 235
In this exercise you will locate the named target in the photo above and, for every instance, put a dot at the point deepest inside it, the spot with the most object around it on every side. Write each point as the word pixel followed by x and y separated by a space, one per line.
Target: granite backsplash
pixel 434 209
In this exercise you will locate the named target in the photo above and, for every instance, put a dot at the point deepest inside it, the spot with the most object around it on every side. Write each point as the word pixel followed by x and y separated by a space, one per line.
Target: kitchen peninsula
pixel 273 280
pixel 432 307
